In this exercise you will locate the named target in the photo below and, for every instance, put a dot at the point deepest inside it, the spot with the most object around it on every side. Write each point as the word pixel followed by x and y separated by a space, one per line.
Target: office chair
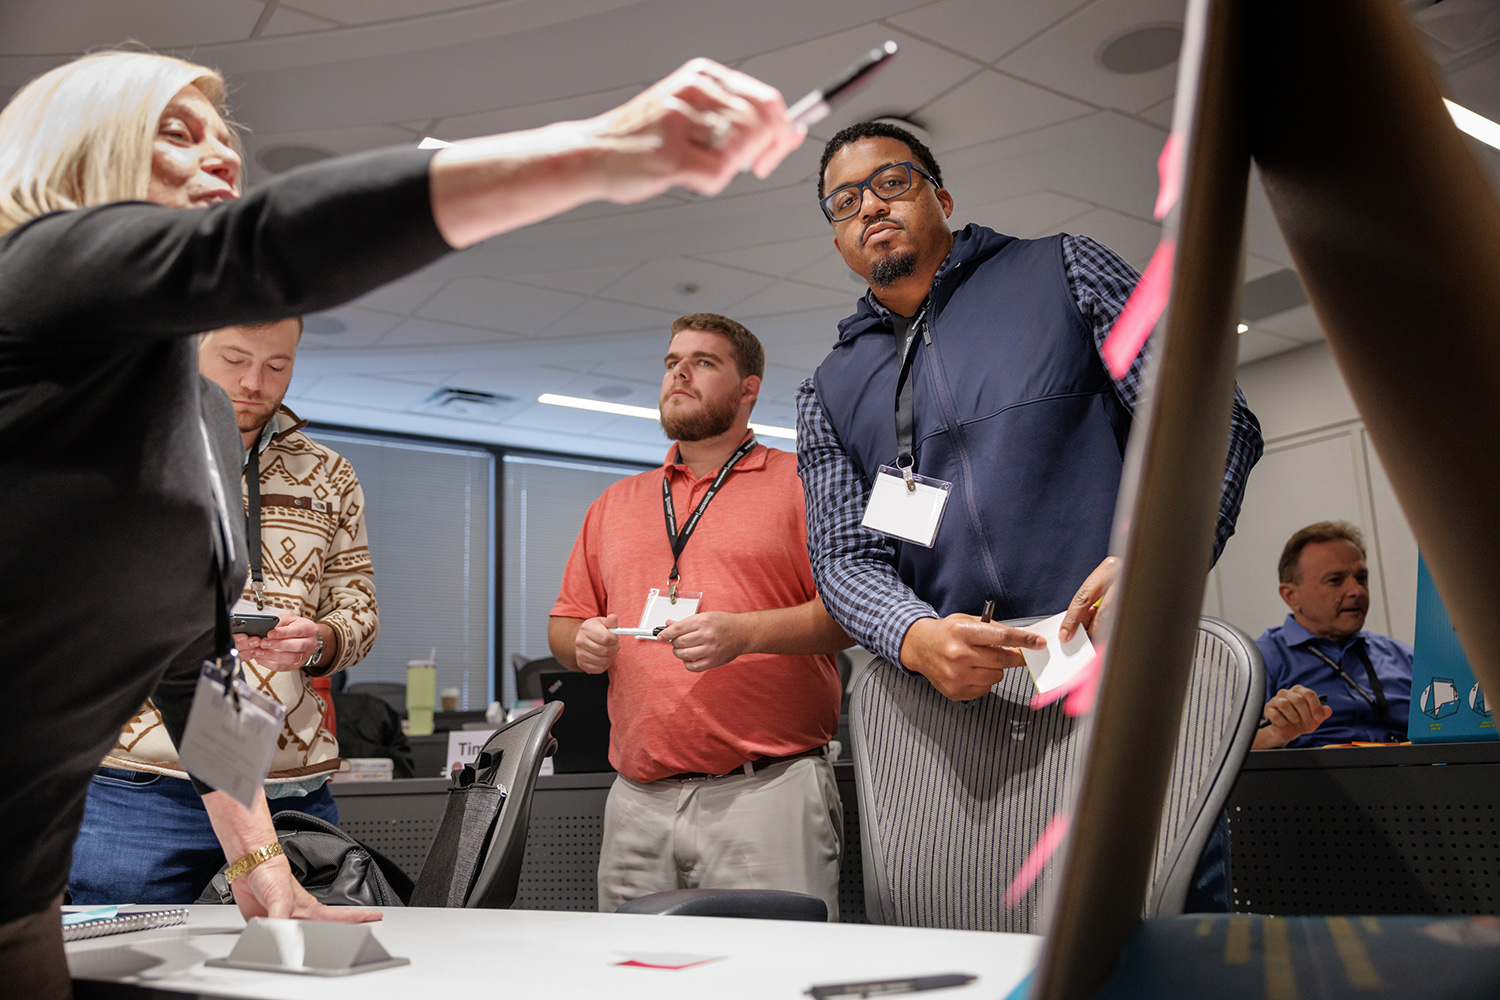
pixel 475 860
pixel 391 693
pixel 952 796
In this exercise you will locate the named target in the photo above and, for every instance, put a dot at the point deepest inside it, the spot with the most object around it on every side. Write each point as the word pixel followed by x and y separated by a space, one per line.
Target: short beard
pixel 892 268
pixel 711 421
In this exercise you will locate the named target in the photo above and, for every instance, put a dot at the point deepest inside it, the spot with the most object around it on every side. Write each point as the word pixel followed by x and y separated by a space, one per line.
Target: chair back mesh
pixel 953 796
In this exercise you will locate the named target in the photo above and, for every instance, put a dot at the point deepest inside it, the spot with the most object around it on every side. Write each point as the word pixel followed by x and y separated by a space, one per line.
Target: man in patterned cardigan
pixel 146 837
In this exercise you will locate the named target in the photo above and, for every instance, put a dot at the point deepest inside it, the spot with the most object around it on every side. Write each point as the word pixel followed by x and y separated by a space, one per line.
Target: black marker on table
pixel 1322 700
pixel 886 987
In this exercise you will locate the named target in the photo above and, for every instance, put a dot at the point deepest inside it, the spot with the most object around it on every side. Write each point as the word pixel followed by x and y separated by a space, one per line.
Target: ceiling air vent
pixel 466 404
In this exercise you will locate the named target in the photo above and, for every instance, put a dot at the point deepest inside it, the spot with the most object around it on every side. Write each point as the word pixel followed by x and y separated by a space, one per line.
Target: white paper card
pixel 660 609
pixel 464 746
pixel 910 514
pixel 229 744
pixel 1058 662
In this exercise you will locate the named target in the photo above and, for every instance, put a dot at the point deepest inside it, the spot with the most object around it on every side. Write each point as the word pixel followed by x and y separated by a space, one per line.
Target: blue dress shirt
pixel 1287 650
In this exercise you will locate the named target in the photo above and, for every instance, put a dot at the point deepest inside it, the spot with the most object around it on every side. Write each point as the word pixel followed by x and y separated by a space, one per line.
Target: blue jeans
pixel 146 839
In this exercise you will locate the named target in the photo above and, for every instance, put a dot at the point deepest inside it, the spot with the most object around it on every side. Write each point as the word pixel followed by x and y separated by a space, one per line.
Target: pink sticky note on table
pixel 1142 310
pixel 671 961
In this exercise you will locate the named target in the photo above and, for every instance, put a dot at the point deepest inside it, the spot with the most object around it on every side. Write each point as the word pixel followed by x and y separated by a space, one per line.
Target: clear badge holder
pixel 231 732
pixel 906 506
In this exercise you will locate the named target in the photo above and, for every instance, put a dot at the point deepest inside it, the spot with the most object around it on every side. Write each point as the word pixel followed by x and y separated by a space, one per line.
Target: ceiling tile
pixel 790 297
pixel 830 272
pixel 1129 237
pixel 598 316
pixel 515 119
pixel 972 27
pixel 358 390
pixel 1259 267
pixel 658 283
pixel 1477 85
pixel 1029 216
pixel 1161 114
pixel 560 419
pixel 427 333
pixel 287 21
pixel 1256 344
pixel 63 26
pixel 339 141
pixel 800 341
pixel 523 382
pixel 780 383
pixel 991 106
pixel 1064 58
pixel 778 260
pixel 1299 324
pixel 921 72
pixel 363 328
pixel 369 11
pixel 583 280
pixel 402 297
pixel 498 305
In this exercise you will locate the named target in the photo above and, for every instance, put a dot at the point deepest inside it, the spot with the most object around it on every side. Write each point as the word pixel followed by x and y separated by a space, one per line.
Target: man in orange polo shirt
pixel 720 723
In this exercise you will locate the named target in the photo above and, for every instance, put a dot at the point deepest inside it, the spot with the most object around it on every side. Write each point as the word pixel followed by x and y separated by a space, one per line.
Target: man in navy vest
pixel 1008 401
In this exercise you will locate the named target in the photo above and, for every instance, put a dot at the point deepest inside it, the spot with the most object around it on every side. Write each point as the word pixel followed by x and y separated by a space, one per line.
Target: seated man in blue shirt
pixel 1322 649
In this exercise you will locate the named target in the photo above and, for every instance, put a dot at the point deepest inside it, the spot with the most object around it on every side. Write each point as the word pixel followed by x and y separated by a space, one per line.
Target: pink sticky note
pixel 671 961
pixel 1142 310
pixel 1169 170
pixel 1046 845
pixel 1080 690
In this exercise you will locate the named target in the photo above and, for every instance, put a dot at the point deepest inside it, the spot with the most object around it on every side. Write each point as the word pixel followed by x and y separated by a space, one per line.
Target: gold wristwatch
pixel 249 861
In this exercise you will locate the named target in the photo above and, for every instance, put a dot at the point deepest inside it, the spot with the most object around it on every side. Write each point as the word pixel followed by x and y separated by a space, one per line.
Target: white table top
pixel 551 954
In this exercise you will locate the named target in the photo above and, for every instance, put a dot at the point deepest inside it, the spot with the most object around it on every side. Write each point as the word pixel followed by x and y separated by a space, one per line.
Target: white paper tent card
pixel 1055 665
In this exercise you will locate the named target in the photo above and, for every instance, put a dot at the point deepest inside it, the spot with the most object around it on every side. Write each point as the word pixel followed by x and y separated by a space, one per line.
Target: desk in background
pixel 528 953
pixel 1380 830
pixel 560 869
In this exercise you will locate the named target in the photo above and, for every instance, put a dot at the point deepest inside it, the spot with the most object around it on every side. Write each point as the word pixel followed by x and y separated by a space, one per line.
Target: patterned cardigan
pixel 316 560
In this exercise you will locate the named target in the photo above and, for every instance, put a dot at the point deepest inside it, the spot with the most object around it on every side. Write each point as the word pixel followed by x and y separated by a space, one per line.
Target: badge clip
pixel 260 594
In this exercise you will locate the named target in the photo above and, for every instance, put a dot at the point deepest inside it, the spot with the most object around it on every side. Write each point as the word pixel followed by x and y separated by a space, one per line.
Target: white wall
pixel 1319 465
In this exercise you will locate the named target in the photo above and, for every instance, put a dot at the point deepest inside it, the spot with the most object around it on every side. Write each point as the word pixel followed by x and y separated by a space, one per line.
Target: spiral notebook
pixel 80 923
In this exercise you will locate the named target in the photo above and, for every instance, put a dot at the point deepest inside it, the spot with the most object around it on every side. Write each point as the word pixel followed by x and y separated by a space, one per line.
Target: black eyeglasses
pixel 885 184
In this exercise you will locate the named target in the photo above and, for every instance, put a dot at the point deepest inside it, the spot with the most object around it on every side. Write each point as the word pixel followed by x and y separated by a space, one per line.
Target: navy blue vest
pixel 1012 406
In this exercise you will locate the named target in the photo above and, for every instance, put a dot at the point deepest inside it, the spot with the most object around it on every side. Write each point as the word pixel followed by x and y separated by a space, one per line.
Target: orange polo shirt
pixel 748 553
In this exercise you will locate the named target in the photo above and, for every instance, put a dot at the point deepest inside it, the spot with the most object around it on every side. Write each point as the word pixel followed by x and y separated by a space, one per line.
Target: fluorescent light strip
pixel 1477 125
pixel 626 410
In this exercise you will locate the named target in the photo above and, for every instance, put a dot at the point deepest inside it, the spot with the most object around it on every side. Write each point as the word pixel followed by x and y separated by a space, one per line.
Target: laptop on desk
pixel 582 731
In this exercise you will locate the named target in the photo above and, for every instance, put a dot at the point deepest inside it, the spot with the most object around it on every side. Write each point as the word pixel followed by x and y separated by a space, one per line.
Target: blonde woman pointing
pixel 123 232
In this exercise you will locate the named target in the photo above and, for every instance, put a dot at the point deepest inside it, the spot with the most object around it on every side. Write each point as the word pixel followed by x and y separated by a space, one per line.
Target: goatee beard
pixel 711 421
pixel 893 268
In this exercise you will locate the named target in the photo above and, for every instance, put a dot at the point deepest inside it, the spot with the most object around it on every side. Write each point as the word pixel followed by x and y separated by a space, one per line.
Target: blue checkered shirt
pixel 855 568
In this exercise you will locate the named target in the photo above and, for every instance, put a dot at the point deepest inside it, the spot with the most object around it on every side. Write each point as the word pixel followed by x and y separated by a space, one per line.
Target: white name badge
pixel 229 743
pixel 660 609
pixel 907 511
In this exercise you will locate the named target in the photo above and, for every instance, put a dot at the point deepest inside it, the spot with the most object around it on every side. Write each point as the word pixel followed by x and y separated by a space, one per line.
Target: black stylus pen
pixel 886 987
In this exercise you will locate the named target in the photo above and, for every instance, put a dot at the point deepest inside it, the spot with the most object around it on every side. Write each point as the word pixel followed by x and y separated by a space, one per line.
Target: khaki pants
pixel 780 828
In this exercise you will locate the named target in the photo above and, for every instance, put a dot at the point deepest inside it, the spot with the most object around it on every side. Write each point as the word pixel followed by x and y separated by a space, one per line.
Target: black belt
pixel 754 765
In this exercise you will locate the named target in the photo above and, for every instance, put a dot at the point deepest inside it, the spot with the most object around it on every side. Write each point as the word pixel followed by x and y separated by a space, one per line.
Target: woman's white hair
pixel 82 134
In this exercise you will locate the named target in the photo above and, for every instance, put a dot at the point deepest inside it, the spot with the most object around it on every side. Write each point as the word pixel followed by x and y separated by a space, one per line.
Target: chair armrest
pixel 755 904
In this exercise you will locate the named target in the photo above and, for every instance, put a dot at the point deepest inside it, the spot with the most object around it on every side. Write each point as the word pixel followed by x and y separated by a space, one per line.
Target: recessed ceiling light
pixel 323 325
pixel 1142 50
pixel 612 391
pixel 626 410
pixel 1475 124
pixel 686 288
pixel 280 159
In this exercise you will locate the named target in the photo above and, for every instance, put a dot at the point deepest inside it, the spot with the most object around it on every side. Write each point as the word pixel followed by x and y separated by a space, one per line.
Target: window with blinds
pixel 545 501
pixel 429 511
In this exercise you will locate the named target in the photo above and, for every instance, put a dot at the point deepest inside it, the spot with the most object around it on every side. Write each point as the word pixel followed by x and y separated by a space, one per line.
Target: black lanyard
pixel 677 540
pixel 223 560
pixel 905 420
pixel 252 526
pixel 1377 701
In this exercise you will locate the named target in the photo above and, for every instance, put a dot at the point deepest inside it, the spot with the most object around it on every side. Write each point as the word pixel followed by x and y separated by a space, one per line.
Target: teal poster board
pixel 1447 705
